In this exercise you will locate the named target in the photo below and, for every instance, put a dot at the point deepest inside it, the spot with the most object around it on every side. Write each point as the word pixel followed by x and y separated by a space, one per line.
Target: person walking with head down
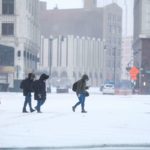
pixel 80 88
pixel 27 85
pixel 39 87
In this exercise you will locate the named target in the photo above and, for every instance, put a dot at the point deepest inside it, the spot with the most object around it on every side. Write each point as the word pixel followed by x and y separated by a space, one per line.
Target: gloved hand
pixel 87 87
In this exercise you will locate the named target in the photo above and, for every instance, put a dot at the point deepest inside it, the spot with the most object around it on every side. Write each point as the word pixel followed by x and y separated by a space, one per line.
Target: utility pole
pixel 114 66
pixel 50 61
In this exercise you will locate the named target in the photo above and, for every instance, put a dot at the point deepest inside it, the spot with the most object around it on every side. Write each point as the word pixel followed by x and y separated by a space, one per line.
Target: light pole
pixel 140 71
pixel 50 61
pixel 60 56
pixel 104 59
pixel 114 66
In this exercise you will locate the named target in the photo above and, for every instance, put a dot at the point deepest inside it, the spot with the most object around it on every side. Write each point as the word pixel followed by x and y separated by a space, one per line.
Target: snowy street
pixel 111 120
pixel 77 148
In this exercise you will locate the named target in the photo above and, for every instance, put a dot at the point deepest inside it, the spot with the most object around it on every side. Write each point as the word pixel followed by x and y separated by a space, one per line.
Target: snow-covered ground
pixel 110 120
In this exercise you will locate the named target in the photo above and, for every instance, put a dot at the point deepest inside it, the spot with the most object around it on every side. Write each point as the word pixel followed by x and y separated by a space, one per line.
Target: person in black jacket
pixel 81 93
pixel 40 91
pixel 26 85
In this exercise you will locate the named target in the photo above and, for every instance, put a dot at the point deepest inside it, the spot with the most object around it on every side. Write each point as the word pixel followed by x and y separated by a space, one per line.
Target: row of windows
pixel 114 41
pixel 114 29
pixel 28 56
pixel 114 18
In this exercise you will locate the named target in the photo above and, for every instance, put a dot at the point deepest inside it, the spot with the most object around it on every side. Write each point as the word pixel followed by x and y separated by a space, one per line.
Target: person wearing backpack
pixel 80 88
pixel 26 85
pixel 39 87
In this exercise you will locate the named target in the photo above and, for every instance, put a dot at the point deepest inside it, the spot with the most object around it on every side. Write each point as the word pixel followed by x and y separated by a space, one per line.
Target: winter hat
pixel 44 77
pixel 85 77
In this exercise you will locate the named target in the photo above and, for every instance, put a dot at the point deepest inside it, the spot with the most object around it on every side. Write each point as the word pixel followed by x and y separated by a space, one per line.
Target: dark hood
pixel 85 77
pixel 31 76
pixel 44 77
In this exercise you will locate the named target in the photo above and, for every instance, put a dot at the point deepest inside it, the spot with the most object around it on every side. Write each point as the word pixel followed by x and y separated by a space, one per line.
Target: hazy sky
pixel 127 24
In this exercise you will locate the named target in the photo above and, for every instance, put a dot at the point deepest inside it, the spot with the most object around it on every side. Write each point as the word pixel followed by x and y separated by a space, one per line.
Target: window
pixel 19 53
pixel 7 29
pixel 7 7
pixel 6 55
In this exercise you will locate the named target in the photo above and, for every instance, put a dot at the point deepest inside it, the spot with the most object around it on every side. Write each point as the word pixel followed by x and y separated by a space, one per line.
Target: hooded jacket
pixel 39 87
pixel 81 85
pixel 27 84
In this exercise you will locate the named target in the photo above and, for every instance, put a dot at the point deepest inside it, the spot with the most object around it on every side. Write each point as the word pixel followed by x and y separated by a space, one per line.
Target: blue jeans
pixel 27 102
pixel 81 98
pixel 39 104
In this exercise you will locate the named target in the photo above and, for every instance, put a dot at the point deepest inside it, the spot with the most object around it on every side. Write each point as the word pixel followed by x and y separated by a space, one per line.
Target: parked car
pixel 101 87
pixel 62 89
pixel 124 87
pixel 108 89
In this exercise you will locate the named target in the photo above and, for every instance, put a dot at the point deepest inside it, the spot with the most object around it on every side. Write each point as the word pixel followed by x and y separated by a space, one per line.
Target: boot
pixel 38 111
pixel 24 111
pixel 83 111
pixel 73 108
pixel 32 110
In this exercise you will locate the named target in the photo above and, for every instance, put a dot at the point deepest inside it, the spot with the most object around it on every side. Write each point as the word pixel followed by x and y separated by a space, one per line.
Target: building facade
pixel 141 44
pixel 71 57
pixel 96 23
pixel 112 34
pixel 19 28
pixel 127 57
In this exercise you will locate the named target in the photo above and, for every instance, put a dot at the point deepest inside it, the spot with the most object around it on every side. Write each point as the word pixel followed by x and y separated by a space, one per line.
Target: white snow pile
pixel 110 120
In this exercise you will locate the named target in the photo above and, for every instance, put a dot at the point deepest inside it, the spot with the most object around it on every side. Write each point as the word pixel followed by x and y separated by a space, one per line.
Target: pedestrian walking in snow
pixel 26 85
pixel 39 87
pixel 80 88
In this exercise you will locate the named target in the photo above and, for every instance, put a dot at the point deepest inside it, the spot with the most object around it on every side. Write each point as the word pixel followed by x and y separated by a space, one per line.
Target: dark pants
pixel 39 104
pixel 81 98
pixel 27 102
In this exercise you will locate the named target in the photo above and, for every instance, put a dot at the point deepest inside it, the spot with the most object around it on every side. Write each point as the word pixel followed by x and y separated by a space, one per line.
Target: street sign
pixel 134 72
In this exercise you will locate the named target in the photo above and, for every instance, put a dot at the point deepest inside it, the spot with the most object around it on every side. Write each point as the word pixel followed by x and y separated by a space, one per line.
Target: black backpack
pixel 74 86
pixel 22 84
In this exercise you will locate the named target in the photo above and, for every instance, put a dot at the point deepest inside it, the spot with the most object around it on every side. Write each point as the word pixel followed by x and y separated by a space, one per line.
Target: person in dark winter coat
pixel 81 93
pixel 40 91
pixel 26 85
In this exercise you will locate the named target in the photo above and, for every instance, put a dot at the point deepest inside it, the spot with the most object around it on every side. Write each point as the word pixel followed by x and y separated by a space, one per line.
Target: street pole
pixel 114 66
pixel 104 61
pixel 50 61
pixel 140 69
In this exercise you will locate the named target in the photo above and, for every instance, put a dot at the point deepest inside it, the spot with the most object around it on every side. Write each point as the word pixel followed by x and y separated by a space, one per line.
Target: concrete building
pixel 127 57
pixel 141 44
pixel 112 33
pixel 90 4
pixel 99 23
pixel 71 57
pixel 19 28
